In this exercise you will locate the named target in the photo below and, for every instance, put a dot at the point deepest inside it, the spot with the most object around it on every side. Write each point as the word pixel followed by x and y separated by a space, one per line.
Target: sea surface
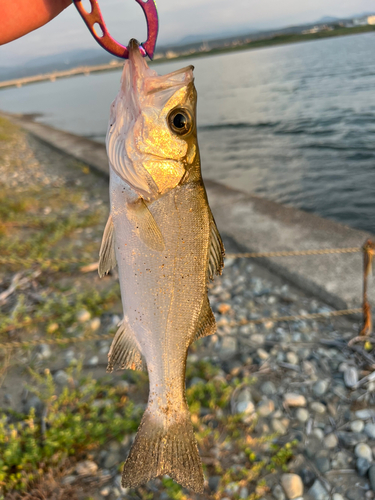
pixel 294 123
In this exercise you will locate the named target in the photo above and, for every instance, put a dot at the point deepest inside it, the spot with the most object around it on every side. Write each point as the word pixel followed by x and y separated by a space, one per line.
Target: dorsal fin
pixel 107 256
pixel 206 322
pixel 217 252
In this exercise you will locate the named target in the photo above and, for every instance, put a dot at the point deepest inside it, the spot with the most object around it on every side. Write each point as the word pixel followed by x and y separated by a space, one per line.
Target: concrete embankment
pixel 258 225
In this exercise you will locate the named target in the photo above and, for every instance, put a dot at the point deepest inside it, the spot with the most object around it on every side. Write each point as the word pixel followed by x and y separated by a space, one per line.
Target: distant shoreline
pixel 283 39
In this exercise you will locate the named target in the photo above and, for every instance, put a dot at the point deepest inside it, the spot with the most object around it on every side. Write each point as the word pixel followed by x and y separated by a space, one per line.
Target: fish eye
pixel 180 121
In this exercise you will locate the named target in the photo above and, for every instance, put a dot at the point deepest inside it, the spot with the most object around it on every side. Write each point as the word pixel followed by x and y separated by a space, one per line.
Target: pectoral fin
pixel 107 256
pixel 206 323
pixel 217 252
pixel 124 352
pixel 145 226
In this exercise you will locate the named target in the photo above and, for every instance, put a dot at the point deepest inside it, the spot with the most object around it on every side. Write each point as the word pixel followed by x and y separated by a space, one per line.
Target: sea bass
pixel 163 236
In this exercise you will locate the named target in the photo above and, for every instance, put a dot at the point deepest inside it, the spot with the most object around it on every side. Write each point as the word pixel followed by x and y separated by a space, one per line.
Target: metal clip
pixel 110 44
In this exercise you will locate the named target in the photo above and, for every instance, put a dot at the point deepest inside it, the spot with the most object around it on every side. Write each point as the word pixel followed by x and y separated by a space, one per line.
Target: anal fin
pixel 124 352
pixel 107 256
pixel 144 225
pixel 206 322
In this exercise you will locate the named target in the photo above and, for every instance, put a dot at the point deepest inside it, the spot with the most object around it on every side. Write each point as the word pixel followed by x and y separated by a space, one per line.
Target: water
pixel 295 124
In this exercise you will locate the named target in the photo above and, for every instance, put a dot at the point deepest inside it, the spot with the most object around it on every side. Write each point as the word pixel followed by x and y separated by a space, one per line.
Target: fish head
pixel 151 139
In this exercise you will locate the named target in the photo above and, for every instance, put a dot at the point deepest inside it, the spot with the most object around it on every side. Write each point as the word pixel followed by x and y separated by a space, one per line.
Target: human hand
pixel 19 17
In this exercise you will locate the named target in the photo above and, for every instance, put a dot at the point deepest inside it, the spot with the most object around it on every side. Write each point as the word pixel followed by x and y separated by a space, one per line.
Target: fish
pixel 163 237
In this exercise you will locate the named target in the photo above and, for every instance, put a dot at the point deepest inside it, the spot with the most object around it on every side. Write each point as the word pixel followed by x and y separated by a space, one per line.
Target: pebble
pixel 320 387
pixel 262 354
pixel 266 407
pixel 246 407
pixel 318 433
pixel 318 492
pixel 95 324
pixel 293 399
pixel 68 480
pixel 362 450
pixel 351 438
pixel 337 496
pixel 371 475
pixel 331 441
pixel 370 430
pixel 323 464
pixel 61 377
pixel 351 377
pixel 86 468
pixel 278 426
pixel 365 414
pixel 244 492
pixel 293 486
pixel 83 316
pixel 93 361
pixel 363 466
pixel 357 425
pixel 354 493
pixel 318 408
pixel 268 388
pixel 278 492
pixel 302 415
pixel 44 351
pixel 292 358
pixel 52 327
pixel 228 347
pixel 213 482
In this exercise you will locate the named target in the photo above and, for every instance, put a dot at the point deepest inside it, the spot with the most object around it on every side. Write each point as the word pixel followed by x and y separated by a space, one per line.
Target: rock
pixel 330 441
pixel 105 491
pixel 371 475
pixel 293 399
pixel 112 458
pixel 351 438
pixel 83 315
pixel 95 324
pixel 268 388
pixel 357 425
pixel 365 414
pixel 278 492
pixel 341 460
pixel 35 403
pixel 292 358
pixel 302 415
pixel 320 387
pixel 351 377
pixel 370 430
pixel 213 482
pixel 337 496
pixel 354 493
pixel 262 354
pixel 323 464
pixel 363 466
pixel 278 426
pixel 93 361
pixel 52 328
pixel 318 408
pixel 228 347
pixel 246 407
pixel 61 377
pixel 318 492
pixel 266 407
pixel 362 450
pixel 293 486
pixel 44 351
pixel 318 433
pixel 86 468
pixel 307 475
pixel 244 492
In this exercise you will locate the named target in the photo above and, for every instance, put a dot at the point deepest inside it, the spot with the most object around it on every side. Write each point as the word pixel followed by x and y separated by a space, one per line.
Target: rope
pixel 250 255
pixel 69 340
pixel 293 253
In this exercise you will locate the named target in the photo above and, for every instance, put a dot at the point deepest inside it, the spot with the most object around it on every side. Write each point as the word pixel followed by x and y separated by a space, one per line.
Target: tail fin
pixel 164 447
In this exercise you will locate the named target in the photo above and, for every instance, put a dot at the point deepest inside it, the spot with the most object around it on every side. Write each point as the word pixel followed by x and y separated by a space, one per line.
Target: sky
pixel 178 19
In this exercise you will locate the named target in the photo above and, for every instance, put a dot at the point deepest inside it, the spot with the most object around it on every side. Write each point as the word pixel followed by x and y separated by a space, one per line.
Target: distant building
pixel 371 20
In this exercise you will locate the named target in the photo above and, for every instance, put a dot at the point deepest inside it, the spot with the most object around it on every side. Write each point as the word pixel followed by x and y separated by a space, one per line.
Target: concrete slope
pixel 257 224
